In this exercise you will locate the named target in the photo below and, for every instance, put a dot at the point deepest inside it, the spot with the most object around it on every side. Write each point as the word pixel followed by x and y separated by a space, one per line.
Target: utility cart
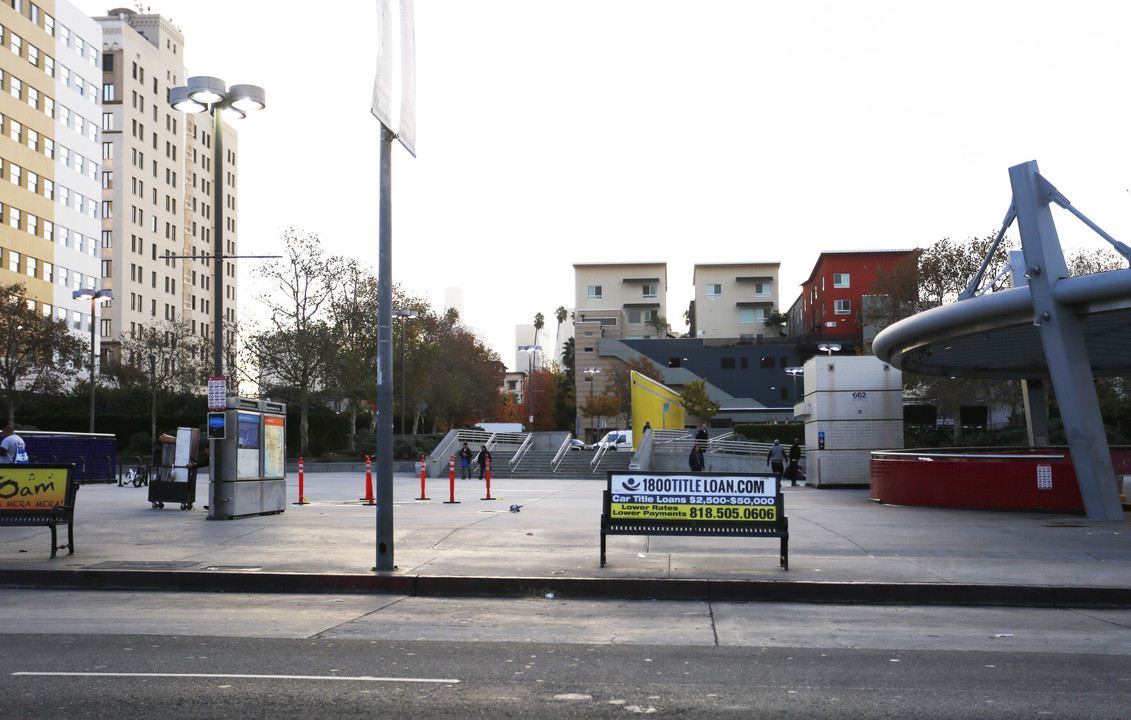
pixel 173 480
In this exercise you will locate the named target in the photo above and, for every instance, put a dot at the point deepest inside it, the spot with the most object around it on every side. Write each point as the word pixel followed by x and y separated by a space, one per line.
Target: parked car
pixel 576 444
pixel 615 440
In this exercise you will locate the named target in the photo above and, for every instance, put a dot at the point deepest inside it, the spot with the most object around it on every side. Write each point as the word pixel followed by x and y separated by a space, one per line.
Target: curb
pixel 957 594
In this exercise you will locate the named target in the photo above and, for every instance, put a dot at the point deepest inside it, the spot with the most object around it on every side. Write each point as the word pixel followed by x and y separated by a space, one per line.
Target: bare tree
pixel 295 349
pixel 162 359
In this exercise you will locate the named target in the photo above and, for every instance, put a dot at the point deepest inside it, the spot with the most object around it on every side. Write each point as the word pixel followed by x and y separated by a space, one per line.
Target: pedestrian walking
pixel 775 458
pixel 695 459
pixel 792 470
pixel 701 436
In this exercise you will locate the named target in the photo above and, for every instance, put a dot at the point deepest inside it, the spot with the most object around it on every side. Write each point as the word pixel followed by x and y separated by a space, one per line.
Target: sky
pixel 551 133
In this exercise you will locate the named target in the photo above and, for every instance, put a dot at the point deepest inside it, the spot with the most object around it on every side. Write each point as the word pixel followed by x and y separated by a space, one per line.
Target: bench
pixel 39 496
pixel 629 507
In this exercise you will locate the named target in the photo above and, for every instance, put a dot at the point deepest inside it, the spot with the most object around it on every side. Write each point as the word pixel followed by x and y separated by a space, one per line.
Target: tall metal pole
pixel 93 300
pixel 385 359
pixel 217 449
pixel 404 318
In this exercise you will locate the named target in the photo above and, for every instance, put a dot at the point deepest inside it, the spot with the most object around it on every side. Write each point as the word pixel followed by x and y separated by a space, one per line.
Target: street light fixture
pixel 829 348
pixel 96 297
pixel 404 315
pixel 203 93
pixel 589 373
pixel 795 371
pixel 531 350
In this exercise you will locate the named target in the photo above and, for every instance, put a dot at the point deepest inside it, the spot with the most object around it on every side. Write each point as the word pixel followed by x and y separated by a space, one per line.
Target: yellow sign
pixel 28 487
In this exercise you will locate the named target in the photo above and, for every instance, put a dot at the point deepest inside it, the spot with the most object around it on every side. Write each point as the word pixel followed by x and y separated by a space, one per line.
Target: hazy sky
pixel 550 133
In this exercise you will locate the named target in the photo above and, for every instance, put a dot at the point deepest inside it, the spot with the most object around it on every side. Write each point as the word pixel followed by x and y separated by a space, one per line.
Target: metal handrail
pixel 596 461
pixel 561 452
pixel 522 450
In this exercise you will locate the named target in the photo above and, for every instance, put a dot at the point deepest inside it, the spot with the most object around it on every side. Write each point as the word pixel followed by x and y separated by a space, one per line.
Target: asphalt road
pixel 115 676
pixel 177 655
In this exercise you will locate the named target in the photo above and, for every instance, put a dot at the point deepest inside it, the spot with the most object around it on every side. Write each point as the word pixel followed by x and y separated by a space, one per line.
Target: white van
pixel 615 440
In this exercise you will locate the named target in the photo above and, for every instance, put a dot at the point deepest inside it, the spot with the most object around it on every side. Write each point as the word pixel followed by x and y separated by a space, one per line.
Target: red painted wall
pixel 820 295
pixel 988 483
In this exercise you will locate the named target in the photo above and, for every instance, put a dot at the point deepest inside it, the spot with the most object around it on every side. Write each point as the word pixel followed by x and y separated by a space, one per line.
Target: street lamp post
pixel 589 373
pixel 829 348
pixel 403 315
pixel 200 94
pixel 795 371
pixel 96 296
pixel 531 350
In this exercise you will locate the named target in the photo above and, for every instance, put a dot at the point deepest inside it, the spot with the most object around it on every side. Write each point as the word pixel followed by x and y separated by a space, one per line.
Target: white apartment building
pixel 159 185
pixel 50 190
pixel 734 300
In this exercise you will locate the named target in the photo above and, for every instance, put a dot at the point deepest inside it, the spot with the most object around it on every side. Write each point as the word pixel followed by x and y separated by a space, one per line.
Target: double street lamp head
pixel 203 92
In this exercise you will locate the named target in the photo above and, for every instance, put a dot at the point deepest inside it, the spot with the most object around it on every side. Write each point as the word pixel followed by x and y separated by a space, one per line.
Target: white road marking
pixel 359 678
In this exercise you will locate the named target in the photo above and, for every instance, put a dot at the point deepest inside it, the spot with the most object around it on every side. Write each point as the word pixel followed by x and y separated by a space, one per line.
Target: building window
pixel 762 289
pixel 714 290
pixel 840 280
pixel 593 292
pixel 746 315
pixel 727 363
pixel 843 307
pixel 639 316
pixel 767 363
pixel 651 291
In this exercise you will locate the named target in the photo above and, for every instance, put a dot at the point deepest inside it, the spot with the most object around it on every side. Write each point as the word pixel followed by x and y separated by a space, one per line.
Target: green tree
pixel 775 320
pixel 697 402
pixel 36 352
pixel 351 373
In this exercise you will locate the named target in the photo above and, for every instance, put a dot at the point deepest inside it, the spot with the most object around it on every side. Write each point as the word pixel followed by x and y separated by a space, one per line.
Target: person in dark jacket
pixel 794 456
pixel 482 459
pixel 695 459
pixel 701 436
pixel 465 457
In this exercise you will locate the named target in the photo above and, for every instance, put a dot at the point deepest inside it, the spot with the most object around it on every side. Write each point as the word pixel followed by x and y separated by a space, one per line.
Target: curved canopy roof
pixel 998 336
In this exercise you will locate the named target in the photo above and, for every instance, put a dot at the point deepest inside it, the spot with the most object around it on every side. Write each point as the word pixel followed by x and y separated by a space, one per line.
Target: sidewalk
pixel 842 548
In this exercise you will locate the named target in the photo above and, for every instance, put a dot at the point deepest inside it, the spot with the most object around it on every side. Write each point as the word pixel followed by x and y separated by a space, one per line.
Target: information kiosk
pixel 252 477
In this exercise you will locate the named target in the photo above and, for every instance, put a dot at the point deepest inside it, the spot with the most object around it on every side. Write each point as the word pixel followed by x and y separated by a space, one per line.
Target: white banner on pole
pixel 382 107
pixel 407 133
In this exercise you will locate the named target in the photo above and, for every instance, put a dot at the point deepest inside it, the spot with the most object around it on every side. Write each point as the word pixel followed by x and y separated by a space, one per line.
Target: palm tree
pixel 561 314
pixel 539 323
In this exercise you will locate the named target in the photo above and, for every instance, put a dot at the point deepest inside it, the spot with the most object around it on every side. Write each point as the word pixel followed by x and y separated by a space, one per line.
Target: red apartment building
pixel 830 300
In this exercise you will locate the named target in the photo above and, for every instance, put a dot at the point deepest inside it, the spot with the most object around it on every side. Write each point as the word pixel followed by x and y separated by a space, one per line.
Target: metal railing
pixel 522 450
pixel 595 463
pixel 561 453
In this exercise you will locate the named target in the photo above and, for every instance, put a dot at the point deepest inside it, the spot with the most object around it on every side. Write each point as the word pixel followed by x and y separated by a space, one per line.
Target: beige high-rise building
pixel 50 192
pixel 160 186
